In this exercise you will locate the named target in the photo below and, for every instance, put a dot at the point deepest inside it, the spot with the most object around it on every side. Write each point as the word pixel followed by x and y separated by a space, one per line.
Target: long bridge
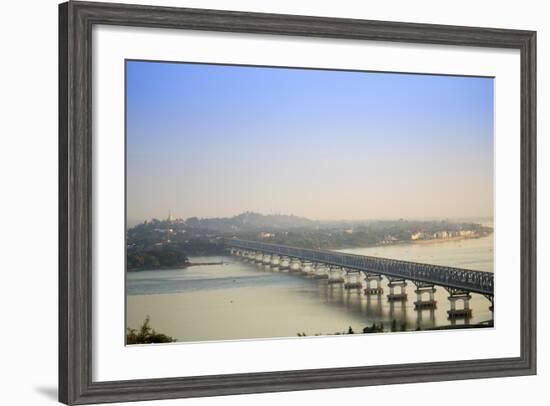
pixel 345 268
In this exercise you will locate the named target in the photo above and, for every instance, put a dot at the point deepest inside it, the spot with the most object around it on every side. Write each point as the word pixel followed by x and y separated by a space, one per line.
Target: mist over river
pixel 243 300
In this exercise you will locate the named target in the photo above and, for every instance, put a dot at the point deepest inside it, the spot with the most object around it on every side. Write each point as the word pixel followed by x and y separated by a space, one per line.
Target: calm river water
pixel 241 300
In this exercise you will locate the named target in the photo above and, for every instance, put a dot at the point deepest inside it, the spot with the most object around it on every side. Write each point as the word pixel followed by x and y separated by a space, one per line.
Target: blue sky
pixel 216 140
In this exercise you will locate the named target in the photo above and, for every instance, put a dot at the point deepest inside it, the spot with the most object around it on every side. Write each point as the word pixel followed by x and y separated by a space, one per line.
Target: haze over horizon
pixel 133 222
pixel 216 141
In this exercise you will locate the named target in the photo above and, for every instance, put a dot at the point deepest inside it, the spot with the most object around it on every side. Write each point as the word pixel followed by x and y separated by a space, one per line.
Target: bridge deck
pixel 470 280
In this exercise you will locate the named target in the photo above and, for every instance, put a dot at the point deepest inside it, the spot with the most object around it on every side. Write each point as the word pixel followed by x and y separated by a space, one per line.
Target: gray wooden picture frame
pixel 76 20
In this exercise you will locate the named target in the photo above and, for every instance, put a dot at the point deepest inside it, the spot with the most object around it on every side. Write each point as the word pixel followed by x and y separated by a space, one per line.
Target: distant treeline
pixel 163 257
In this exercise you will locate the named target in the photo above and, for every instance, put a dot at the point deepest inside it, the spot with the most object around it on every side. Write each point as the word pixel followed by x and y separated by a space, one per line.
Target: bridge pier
pixel 259 257
pixel 295 265
pixel 275 261
pixel 370 290
pixel 490 299
pixel 456 295
pixel 284 262
pixel 352 279
pixel 335 275
pixel 321 271
pixel 422 288
pixel 394 296
pixel 310 269
pixel 307 267
pixel 252 256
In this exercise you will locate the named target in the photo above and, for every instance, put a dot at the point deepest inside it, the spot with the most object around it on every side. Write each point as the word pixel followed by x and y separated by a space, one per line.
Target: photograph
pixel 267 202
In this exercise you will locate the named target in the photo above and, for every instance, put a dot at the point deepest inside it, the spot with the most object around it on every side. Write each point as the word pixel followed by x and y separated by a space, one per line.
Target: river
pixel 241 300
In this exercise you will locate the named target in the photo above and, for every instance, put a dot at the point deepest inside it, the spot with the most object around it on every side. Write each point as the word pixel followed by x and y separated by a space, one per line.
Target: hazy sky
pixel 212 141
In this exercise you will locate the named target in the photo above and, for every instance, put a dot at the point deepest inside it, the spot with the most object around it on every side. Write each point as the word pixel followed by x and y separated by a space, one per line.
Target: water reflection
pixel 397 307
pixel 425 318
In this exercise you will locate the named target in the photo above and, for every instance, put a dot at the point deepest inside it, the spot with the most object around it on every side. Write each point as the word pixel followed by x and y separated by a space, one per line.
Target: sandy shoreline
pixel 448 239
pixel 412 242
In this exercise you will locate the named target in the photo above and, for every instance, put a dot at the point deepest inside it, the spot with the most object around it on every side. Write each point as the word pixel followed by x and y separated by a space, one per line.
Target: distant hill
pixel 159 240
pixel 250 221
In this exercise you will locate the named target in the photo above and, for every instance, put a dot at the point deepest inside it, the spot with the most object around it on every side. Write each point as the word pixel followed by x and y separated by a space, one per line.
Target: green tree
pixel 374 329
pixel 146 335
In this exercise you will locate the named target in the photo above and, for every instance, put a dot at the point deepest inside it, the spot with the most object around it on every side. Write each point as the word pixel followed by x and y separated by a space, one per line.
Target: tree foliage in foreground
pixel 146 335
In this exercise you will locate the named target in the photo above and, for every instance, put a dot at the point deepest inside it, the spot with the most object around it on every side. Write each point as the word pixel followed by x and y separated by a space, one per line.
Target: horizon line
pixel 162 218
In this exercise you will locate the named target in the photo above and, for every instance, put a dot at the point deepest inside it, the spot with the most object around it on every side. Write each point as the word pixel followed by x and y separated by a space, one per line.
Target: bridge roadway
pixel 448 277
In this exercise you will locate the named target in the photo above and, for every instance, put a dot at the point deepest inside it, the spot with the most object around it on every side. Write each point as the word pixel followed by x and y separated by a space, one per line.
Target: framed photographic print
pixel 253 202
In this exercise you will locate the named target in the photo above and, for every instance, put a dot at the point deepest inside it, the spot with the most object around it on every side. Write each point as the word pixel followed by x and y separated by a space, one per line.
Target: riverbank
pixel 402 243
pixel 447 239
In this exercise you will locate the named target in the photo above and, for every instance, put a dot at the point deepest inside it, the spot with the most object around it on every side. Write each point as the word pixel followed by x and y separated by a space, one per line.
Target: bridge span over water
pixel 338 267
